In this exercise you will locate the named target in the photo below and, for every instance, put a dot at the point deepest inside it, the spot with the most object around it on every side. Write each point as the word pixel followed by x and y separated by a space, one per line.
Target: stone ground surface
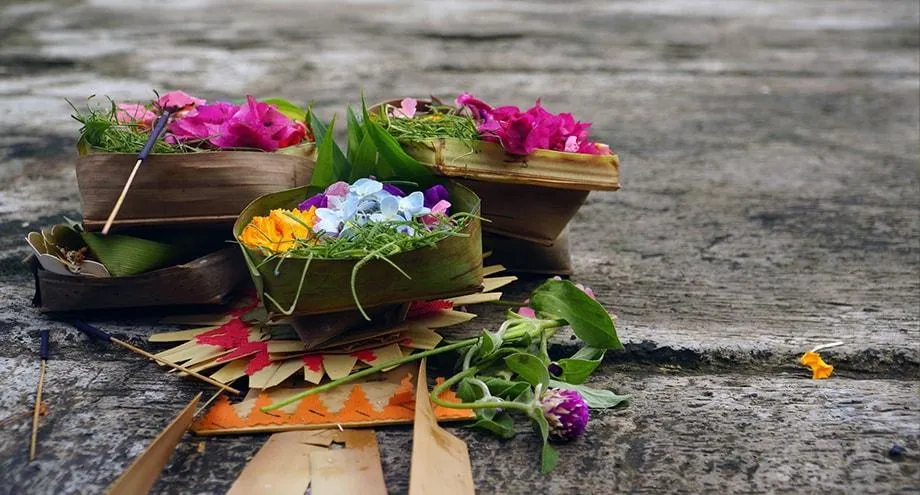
pixel 770 202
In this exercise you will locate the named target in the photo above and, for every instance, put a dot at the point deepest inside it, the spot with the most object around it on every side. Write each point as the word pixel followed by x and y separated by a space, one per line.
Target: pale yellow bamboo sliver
pixel 121 197
pixel 38 406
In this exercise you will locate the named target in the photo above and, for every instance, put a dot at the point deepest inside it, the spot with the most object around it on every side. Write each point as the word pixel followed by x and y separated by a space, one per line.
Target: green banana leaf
pixel 125 255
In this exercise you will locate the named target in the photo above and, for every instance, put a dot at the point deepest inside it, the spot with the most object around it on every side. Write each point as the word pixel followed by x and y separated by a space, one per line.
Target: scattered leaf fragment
pixel 819 369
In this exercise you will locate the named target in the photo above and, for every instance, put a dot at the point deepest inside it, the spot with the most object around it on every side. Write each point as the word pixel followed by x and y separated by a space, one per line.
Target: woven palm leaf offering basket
pixel 373 228
pixel 211 160
pixel 525 165
pixel 77 270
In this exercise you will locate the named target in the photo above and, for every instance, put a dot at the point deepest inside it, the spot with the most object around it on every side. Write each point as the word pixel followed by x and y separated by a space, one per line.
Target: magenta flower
pixel 134 113
pixel 566 412
pixel 176 101
pixel 521 133
pixel 201 123
pixel 480 108
pixel 225 125
pixel 254 125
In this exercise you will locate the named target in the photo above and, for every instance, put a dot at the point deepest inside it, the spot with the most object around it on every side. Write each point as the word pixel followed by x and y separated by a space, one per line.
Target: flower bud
pixel 566 412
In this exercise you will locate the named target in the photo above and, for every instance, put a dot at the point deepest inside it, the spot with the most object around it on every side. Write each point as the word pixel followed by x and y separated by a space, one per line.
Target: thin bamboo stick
pixel 98 334
pixel 179 367
pixel 43 355
pixel 158 129
pixel 38 405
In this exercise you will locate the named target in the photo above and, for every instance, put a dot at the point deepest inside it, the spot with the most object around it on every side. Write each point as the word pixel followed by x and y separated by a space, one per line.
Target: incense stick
pixel 98 334
pixel 158 129
pixel 43 355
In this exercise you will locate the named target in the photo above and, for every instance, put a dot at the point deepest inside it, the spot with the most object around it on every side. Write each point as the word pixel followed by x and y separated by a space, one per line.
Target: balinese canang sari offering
pixel 212 159
pixel 525 165
pixel 374 228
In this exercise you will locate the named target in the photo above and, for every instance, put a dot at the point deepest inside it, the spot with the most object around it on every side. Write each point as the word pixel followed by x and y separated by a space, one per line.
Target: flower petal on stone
pixel 819 369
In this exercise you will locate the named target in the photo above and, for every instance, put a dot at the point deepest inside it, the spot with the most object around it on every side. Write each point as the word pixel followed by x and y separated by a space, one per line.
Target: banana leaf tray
pixel 205 280
pixel 452 267
pixel 203 188
pixel 531 197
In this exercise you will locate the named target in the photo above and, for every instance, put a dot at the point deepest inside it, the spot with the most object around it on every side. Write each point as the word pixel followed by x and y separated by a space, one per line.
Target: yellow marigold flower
pixel 278 230
pixel 819 369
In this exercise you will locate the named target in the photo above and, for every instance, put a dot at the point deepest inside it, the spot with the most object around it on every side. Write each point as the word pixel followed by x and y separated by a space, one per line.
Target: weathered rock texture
pixel 770 202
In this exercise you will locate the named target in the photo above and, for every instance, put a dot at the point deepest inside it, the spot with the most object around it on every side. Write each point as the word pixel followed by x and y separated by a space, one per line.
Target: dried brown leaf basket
pixel 203 188
pixel 205 280
pixel 530 197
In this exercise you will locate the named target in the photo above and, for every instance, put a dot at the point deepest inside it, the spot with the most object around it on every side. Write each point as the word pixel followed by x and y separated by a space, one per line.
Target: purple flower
pixel 435 194
pixel 319 200
pixel 395 191
pixel 566 412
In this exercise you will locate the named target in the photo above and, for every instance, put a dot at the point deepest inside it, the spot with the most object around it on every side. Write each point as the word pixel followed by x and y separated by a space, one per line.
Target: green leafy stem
pixel 507 370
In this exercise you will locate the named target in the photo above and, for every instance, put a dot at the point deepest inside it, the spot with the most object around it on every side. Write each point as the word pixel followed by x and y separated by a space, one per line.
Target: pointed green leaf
pixel 588 319
pixel 548 456
pixel 579 367
pixel 489 342
pixel 501 425
pixel 355 134
pixel 331 164
pixel 392 156
pixel 364 161
pixel 596 398
pixel 529 367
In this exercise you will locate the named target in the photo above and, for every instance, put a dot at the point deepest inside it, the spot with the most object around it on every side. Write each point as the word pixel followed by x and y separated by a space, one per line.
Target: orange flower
pixel 278 231
pixel 819 369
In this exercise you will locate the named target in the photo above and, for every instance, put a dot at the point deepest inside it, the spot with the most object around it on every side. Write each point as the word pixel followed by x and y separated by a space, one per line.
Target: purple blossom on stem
pixel 566 412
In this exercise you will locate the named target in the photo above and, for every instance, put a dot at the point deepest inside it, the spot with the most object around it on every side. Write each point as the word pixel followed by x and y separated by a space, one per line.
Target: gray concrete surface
pixel 770 202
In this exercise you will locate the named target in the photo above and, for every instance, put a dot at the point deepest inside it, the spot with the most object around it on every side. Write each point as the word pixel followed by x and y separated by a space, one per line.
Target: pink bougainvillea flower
pixel 480 108
pixel 178 101
pixel 407 108
pixel 291 135
pixel 201 123
pixel 521 133
pixel 134 113
pixel 258 125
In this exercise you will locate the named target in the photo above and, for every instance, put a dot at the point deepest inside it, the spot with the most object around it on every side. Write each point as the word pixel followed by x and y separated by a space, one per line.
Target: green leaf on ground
pixel 588 319
pixel 596 398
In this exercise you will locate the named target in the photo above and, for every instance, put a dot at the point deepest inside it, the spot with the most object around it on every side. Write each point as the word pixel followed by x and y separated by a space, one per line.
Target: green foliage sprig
pixel 503 374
